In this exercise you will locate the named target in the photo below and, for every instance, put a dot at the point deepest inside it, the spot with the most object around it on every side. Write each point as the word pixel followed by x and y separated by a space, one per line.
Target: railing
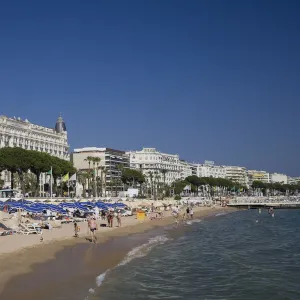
pixel 264 200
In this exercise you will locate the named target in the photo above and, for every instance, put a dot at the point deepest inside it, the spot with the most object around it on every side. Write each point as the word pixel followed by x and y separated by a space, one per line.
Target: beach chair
pixel 28 229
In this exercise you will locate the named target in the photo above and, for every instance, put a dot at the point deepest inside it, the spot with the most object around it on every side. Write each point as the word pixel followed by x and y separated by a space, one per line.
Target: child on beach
pixel 76 230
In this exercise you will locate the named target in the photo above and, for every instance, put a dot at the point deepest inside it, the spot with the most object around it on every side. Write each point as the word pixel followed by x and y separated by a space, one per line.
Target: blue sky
pixel 215 80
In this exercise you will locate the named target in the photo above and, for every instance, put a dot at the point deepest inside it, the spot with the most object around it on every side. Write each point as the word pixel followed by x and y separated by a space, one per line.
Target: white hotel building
pixel 237 174
pixel 209 169
pixel 150 160
pixel 279 178
pixel 15 132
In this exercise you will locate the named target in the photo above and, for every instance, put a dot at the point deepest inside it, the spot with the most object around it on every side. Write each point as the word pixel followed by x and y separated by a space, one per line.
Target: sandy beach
pixel 20 254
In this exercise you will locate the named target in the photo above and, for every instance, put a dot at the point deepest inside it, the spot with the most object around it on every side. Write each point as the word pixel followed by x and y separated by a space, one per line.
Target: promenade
pixel 259 202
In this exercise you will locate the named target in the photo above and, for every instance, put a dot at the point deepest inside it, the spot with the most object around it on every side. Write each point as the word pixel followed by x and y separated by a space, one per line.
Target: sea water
pixel 242 255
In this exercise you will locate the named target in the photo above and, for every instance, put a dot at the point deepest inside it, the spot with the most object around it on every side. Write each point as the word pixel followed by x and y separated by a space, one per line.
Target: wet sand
pixel 50 271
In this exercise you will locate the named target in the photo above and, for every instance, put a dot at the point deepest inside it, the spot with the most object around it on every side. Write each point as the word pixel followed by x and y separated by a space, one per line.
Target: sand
pixel 19 253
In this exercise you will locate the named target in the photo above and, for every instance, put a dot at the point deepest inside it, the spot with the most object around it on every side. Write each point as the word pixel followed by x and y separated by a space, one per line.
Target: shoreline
pixel 25 258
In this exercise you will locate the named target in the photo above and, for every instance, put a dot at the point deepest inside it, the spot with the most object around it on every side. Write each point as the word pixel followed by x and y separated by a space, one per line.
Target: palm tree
pixel 82 176
pixel 120 173
pixel 102 168
pixel 103 180
pixel 89 159
pixel 113 184
pixel 30 182
pixel 151 183
pixel 157 179
pixel 95 161
pixel 164 173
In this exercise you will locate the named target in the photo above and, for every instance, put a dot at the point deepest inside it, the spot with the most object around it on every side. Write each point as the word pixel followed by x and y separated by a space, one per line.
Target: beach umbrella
pixel 32 209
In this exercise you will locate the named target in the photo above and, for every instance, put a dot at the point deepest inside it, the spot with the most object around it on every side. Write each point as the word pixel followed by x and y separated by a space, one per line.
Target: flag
pixel 65 178
pixel 73 177
pixel 49 172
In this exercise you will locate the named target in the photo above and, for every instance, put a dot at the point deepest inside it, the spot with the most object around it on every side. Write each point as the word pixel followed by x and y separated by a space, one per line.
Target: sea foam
pixel 143 250
pixel 221 214
pixel 137 252
pixel 100 278
pixel 193 221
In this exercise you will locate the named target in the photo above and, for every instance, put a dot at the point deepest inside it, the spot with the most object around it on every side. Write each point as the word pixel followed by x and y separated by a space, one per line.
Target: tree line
pixel 19 162
pixel 207 185
pixel 26 166
pixel 272 188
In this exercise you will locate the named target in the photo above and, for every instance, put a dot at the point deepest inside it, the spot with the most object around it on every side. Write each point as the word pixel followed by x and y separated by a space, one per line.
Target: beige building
pixel 110 162
pixel 254 175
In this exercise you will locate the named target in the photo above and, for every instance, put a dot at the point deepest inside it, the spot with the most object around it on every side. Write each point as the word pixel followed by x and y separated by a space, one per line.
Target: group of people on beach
pixel 93 226
pixel 187 214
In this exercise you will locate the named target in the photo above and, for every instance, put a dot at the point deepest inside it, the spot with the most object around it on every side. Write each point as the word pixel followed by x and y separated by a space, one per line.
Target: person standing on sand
pixel 111 219
pixel 76 230
pixel 119 218
pixel 89 226
pixel 93 228
pixel 191 213
pixel 188 211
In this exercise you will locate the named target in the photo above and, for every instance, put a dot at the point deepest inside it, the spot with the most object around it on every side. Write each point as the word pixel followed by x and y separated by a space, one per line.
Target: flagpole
pixel 68 182
pixel 51 184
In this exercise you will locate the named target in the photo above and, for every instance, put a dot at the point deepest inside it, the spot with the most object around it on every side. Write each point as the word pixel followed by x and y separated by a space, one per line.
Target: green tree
pixel 102 178
pixel 195 181
pixel 96 162
pixel 89 159
pixel 131 177
pixel 179 186
pixel 82 177
pixel 164 173
pixel 15 160
pixel 30 183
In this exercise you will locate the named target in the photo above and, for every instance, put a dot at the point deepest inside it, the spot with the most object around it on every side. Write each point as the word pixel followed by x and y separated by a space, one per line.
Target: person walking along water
pixel 191 213
pixel 93 228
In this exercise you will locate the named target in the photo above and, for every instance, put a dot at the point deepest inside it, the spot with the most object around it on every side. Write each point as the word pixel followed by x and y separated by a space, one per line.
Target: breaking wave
pixel 193 221
pixel 137 252
pixel 143 250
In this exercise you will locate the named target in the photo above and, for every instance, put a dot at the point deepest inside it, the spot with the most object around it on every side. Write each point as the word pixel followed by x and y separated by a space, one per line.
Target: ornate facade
pixel 15 132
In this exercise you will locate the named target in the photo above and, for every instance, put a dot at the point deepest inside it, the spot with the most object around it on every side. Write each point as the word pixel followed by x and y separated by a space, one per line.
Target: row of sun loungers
pixel 29 229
